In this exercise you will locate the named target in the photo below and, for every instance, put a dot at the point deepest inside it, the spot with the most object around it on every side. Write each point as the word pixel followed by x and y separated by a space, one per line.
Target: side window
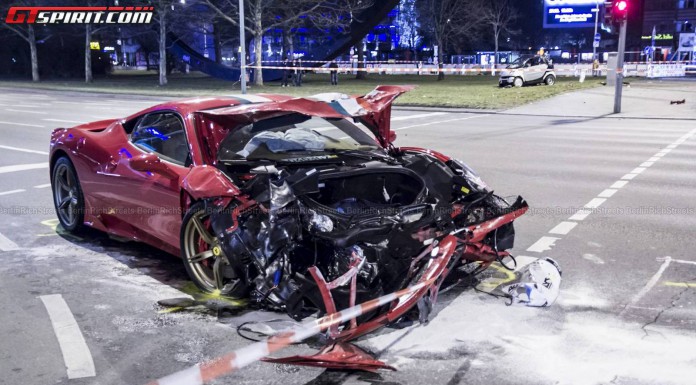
pixel 164 134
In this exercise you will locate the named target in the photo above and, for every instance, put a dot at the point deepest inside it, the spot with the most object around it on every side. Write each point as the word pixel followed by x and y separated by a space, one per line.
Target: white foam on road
pixel 76 354
pixel 23 150
pixel 6 244
pixel 22 167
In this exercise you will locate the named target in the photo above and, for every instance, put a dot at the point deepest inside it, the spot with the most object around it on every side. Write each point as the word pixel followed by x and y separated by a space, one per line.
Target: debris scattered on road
pixel 677 101
pixel 537 285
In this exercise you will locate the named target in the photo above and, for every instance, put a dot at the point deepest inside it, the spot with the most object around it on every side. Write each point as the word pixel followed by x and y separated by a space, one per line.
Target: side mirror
pixel 151 163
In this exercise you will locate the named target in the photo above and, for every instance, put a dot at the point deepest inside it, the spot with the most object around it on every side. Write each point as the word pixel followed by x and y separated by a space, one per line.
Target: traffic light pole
pixel 620 68
pixel 242 45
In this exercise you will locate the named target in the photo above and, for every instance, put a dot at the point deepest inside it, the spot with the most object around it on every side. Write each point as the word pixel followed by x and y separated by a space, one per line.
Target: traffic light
pixel 619 11
pixel 615 12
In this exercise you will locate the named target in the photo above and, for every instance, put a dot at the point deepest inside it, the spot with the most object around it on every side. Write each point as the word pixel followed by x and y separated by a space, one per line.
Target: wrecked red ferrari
pixel 300 205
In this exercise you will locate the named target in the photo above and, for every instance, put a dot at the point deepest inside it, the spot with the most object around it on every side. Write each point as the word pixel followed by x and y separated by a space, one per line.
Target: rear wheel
pixel 550 80
pixel 518 82
pixel 67 195
pixel 203 256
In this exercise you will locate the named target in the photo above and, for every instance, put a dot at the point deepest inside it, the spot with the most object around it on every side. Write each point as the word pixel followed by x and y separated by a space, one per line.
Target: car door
pixel 150 197
pixel 536 70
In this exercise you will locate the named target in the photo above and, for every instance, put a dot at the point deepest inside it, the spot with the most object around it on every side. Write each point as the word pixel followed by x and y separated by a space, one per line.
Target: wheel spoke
pixel 64 203
pixel 61 185
pixel 205 235
pixel 217 272
pixel 200 257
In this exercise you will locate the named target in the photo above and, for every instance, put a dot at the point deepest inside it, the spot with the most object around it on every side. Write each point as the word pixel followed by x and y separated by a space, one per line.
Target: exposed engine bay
pixel 355 223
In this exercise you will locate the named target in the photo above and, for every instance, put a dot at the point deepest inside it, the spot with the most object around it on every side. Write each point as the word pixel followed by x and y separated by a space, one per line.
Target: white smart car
pixel 527 70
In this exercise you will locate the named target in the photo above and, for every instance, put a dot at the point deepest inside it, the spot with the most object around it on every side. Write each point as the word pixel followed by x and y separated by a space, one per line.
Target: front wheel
pixel 518 82
pixel 203 255
pixel 67 195
pixel 550 80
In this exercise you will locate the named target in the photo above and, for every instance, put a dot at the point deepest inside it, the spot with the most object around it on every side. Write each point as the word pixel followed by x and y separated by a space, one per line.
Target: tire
pixel 68 199
pixel 518 82
pixel 550 80
pixel 203 256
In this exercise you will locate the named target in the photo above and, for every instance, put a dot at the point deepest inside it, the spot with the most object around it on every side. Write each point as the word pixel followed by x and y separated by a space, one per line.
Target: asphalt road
pixel 613 201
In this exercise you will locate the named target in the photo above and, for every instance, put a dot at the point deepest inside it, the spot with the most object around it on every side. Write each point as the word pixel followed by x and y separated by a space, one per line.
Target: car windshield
pixel 519 62
pixel 294 135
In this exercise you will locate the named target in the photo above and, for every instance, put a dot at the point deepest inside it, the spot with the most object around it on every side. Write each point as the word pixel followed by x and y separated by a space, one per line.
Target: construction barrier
pixel 229 363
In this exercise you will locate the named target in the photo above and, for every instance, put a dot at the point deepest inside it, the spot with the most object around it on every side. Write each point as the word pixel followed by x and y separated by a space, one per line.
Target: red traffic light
pixel 619 10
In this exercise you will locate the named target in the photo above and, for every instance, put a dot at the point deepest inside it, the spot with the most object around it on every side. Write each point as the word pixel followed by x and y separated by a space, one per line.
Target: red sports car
pixel 297 204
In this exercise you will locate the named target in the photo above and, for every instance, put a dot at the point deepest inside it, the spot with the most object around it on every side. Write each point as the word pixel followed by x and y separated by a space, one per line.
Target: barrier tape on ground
pixel 386 69
pixel 203 373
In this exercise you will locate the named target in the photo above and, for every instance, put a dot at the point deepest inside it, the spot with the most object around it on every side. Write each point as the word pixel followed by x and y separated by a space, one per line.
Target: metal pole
pixel 596 21
pixel 242 44
pixel 619 68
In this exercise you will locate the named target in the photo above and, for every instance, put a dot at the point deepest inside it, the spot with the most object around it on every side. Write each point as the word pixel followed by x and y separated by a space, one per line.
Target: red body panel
pixel 149 206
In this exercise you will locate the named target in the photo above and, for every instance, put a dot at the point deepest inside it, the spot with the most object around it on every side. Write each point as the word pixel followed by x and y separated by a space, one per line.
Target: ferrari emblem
pixel 217 251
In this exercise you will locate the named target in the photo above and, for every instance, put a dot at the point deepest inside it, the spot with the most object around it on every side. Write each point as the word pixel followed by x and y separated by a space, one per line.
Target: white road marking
pixel 594 203
pixel 563 228
pixel 6 244
pixel 22 167
pixel 619 184
pixel 440 121
pixel 665 151
pixel 580 215
pixel 646 164
pixel 399 118
pixel 21 124
pixel 672 146
pixel 629 176
pixel 62 121
pixel 43 185
pixel 26 106
pixel 12 192
pixel 608 193
pixel 27 112
pixel 658 155
pixel 654 159
pixel 676 260
pixel 543 244
pixel 647 286
pixel 23 150
pixel 76 354
pixel 638 170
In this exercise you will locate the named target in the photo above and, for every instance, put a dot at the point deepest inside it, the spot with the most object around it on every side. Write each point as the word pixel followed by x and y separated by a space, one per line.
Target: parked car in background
pixel 527 70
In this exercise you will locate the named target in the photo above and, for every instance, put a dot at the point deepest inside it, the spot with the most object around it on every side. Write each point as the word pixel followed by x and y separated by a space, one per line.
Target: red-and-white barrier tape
pixel 229 363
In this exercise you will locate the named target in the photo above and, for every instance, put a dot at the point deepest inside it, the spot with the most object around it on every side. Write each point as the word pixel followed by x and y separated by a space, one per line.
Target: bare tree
pixel 28 33
pixel 445 20
pixel 260 16
pixel 500 15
